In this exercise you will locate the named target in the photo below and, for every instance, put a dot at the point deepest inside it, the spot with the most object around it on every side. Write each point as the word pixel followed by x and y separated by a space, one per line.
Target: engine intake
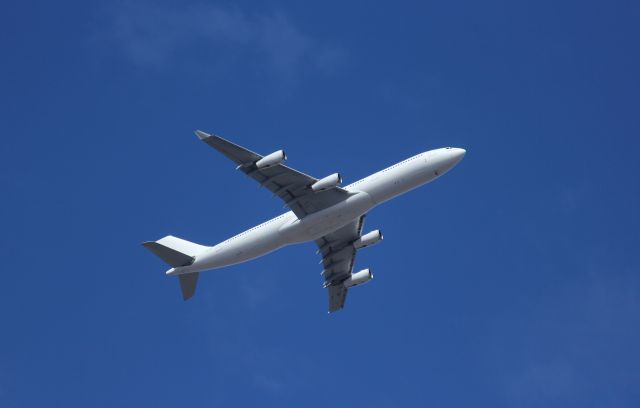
pixel 358 278
pixel 272 159
pixel 326 183
pixel 368 239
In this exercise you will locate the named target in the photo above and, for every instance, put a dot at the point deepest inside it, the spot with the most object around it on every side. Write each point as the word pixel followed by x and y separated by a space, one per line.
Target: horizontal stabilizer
pixel 175 251
pixel 170 256
pixel 188 284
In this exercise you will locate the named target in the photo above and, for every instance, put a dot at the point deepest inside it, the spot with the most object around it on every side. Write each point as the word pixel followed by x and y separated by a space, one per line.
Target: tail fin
pixel 175 251
pixel 188 283
pixel 178 252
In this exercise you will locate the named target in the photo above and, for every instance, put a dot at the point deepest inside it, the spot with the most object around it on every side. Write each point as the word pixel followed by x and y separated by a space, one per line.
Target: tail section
pixel 175 251
pixel 178 252
pixel 188 283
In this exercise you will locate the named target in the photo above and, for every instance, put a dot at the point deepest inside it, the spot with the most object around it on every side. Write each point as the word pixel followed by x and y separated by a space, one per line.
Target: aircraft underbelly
pixel 318 224
pixel 243 247
pixel 388 184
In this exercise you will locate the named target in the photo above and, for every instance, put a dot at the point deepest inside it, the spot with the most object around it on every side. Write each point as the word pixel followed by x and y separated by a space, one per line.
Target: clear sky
pixel 513 281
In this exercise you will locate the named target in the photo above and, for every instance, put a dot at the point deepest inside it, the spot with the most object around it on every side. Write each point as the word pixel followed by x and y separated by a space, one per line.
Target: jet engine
pixel 368 239
pixel 272 159
pixel 326 183
pixel 358 278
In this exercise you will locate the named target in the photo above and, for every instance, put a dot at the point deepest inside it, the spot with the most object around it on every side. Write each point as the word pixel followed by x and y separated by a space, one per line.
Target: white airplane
pixel 321 211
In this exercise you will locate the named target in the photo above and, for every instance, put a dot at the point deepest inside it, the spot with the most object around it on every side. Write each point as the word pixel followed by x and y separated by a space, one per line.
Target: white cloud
pixel 155 35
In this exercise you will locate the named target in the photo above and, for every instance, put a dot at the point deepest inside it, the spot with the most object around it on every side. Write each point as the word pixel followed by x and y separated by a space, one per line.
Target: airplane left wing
pixel 338 257
pixel 292 186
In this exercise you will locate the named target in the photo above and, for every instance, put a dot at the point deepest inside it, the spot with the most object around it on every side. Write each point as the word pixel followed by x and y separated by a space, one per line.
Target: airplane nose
pixel 458 154
pixel 450 158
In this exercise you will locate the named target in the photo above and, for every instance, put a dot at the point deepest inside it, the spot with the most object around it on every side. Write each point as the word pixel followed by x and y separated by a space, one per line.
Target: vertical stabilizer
pixel 188 284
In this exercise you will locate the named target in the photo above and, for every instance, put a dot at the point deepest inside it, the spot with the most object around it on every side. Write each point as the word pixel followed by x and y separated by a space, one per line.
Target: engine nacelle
pixel 326 183
pixel 272 159
pixel 358 278
pixel 368 239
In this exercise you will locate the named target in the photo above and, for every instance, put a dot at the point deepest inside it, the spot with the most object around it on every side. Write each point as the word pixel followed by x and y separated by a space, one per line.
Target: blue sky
pixel 510 282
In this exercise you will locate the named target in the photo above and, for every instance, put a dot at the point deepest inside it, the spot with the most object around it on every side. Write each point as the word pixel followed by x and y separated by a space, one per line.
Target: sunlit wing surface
pixel 292 186
pixel 338 256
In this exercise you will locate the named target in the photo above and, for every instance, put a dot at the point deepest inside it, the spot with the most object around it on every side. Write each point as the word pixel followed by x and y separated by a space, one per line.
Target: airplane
pixel 320 211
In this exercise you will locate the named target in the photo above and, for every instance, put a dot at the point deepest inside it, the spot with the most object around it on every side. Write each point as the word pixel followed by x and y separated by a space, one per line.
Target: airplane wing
pixel 292 186
pixel 338 256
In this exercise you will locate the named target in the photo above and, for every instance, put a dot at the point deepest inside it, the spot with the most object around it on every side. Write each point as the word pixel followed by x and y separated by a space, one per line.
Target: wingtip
pixel 202 135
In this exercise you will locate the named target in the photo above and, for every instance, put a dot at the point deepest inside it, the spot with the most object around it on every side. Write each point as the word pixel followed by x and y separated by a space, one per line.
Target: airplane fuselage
pixel 287 228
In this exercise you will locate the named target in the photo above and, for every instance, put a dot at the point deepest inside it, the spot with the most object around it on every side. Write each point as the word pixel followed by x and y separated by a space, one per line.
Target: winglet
pixel 201 135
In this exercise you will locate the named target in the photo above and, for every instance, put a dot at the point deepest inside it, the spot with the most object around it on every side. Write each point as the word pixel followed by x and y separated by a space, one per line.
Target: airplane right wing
pixel 338 257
